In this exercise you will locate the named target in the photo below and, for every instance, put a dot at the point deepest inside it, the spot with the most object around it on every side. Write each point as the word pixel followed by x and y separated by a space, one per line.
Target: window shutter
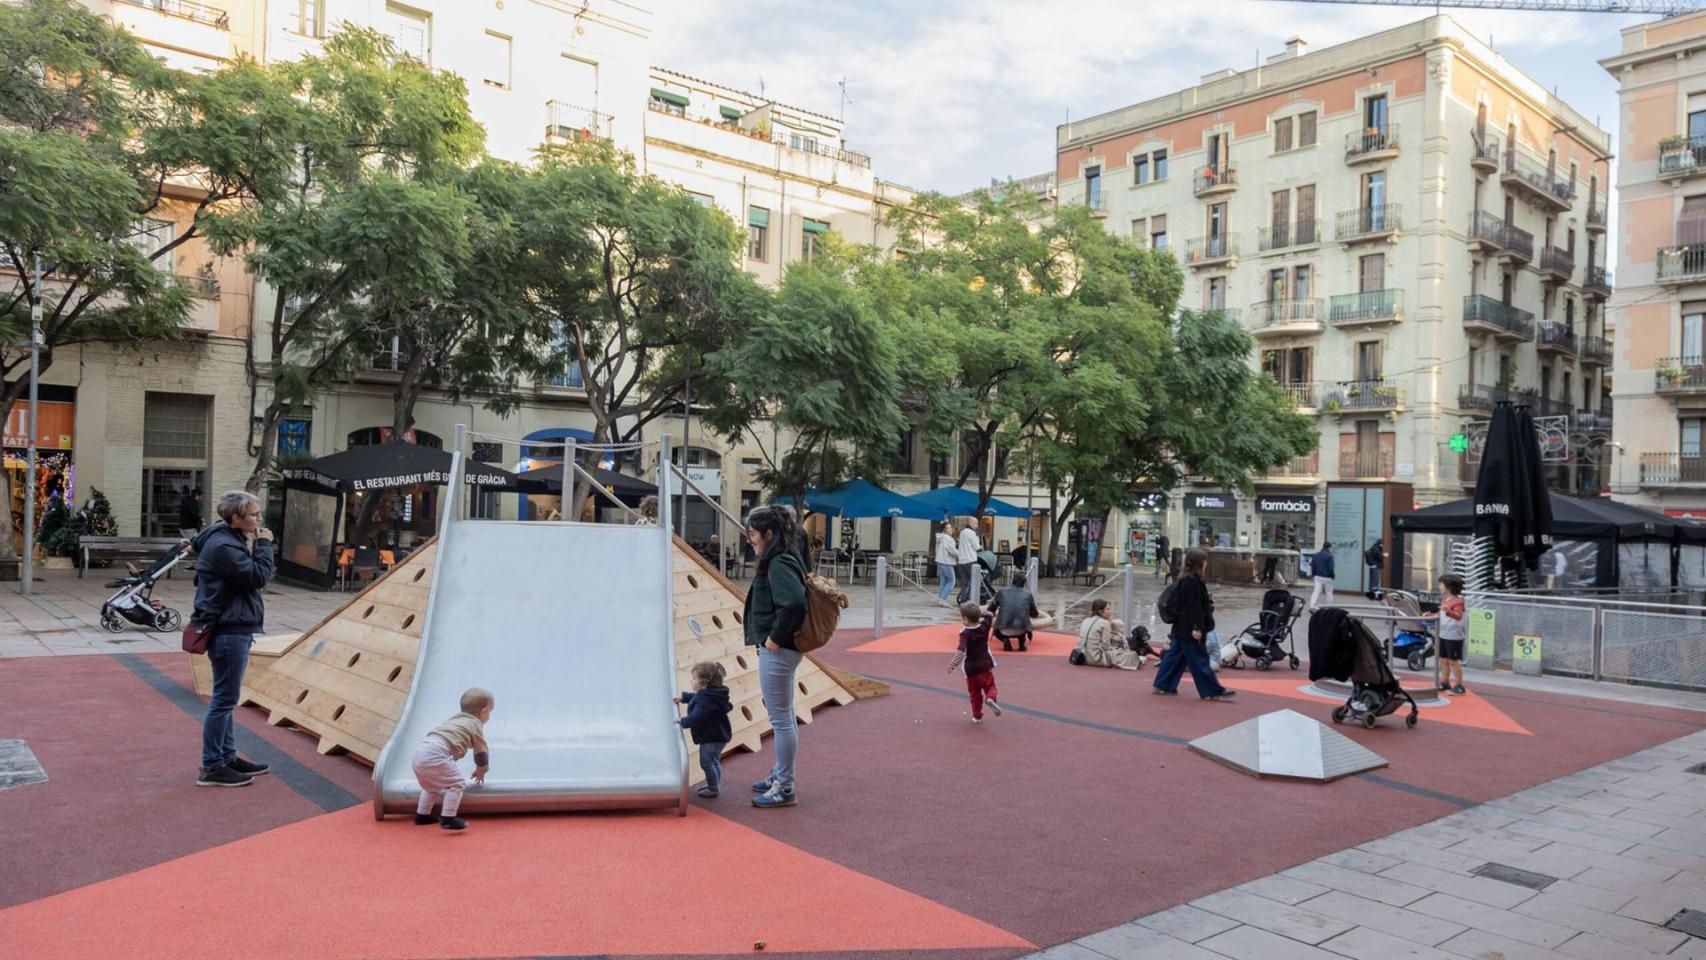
pixel 1372 275
pixel 1282 210
pixel 669 97
pixel 1282 134
pixel 814 226
pixel 1306 129
pixel 757 217
pixel 728 112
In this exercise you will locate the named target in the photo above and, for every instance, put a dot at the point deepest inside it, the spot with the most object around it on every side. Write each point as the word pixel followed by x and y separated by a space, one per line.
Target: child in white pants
pixel 435 759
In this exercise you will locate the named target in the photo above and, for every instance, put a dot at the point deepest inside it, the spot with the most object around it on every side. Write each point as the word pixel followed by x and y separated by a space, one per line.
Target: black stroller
pixel 1269 640
pixel 988 565
pixel 1343 648
pixel 134 601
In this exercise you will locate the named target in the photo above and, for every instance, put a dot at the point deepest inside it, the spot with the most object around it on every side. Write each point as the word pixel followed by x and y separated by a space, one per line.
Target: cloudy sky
pixel 949 94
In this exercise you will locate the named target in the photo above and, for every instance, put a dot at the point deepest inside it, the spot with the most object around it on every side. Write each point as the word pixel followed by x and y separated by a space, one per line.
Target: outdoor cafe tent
pixel 862 498
pixel 960 502
pixel 549 480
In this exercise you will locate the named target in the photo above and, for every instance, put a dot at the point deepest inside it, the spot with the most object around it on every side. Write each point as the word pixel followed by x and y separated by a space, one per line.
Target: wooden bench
pixel 124 548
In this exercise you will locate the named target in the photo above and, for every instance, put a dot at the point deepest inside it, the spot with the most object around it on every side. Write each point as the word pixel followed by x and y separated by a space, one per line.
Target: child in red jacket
pixel 974 658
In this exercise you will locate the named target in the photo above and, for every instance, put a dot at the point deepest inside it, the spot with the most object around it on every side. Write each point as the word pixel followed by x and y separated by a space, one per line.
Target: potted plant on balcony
pixel 1670 376
pixel 1386 396
pixel 1673 141
pixel 1333 404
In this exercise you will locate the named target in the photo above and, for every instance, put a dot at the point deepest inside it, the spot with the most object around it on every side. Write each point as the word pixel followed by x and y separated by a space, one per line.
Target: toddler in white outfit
pixel 435 759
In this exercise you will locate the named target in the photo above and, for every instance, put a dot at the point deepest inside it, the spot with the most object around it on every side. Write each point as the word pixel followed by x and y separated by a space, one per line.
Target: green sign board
pixel 1459 443
pixel 1525 648
pixel 1481 634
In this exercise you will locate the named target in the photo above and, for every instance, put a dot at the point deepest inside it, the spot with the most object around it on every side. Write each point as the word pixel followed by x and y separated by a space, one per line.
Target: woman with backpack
pixel 775 609
pixel 1187 606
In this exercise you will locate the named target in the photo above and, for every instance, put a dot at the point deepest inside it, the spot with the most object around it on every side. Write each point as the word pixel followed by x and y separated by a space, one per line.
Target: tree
pixel 822 367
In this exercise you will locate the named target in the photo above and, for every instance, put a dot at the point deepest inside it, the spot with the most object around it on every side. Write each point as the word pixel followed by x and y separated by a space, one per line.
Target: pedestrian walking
pixel 1192 611
pixel 947 560
pixel 969 545
pixel 1322 567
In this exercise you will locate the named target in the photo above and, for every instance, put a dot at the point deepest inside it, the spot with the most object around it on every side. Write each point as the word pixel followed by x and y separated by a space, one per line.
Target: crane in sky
pixel 1661 8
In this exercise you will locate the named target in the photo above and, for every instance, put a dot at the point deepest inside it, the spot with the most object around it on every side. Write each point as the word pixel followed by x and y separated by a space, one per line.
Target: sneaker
pixel 222 777
pixel 776 796
pixel 423 819
pixel 1458 690
pixel 453 823
pixel 1223 696
pixel 991 704
pixel 1445 686
pixel 246 767
pixel 1024 647
pixel 708 793
pixel 1163 693
pixel 1006 646
pixel 976 719
pixel 763 786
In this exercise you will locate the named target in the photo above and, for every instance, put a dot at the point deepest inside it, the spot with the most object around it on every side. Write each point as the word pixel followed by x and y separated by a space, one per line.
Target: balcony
pixel 1682 157
pixel 1479 399
pixel 1486 232
pixel 1301 395
pixel 1370 224
pixel 1369 308
pixel 1485 154
pixel 1680 377
pixel 1483 314
pixel 1278 318
pixel 1556 339
pixel 1538 184
pixel 1672 470
pixel 1596 214
pixel 565 121
pixel 1596 283
pixel 389 361
pixel 1097 204
pixel 1587 421
pixel 1213 181
pixel 1594 351
pixel 1362 462
pixel 1368 395
pixel 1282 236
pixel 1372 144
pixel 1685 263
pixel 1305 467
pixel 1557 265
pixel 186 9
pixel 1518 247
pixel 1205 252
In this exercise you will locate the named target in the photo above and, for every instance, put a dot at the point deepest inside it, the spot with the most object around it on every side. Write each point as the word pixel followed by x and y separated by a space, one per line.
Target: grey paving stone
pixel 1658 902
pixel 1282 888
pixel 1670 858
pixel 1598 898
pixel 1484 945
pixel 1357 858
pixel 1491 892
pixel 1066 951
pixel 1692 950
pixel 1578 837
pixel 1611 879
pixel 1249 943
pixel 1133 942
pixel 1426 856
pixel 1608 925
pixel 1363 943
pixel 1187 923
pixel 1406 924
pixel 1685 840
pixel 1541 933
pixel 1294 922
pixel 1385 889
pixel 1591 947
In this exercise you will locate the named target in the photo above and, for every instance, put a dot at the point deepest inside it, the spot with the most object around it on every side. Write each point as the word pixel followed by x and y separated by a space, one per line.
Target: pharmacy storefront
pixel 1287 521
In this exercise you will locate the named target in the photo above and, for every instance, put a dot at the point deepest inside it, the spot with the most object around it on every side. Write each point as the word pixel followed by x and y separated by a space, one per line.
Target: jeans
pixel 229 655
pixel 963 571
pixel 1322 585
pixel 1187 653
pixel 944 573
pixel 711 761
pixel 776 680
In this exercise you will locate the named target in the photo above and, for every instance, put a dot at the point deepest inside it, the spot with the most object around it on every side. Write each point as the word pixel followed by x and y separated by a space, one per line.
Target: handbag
pixel 196 636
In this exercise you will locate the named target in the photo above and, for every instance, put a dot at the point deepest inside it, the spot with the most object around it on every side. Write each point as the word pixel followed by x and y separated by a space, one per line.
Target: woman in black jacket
pixel 775 609
pixel 233 562
pixel 1190 632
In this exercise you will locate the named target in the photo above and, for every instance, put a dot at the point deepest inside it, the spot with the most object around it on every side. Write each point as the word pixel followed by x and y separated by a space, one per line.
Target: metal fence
pixel 1657 642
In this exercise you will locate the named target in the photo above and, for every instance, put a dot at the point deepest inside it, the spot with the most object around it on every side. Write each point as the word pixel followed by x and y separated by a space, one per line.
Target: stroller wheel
pixel 1410 721
pixel 167 619
pixel 1294 661
pixel 1368 721
pixel 1263 663
pixel 1338 714
pixel 110 622
pixel 1416 662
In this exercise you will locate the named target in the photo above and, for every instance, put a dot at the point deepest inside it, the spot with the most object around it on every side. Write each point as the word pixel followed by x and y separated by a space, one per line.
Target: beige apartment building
pixel 1410 228
pixel 1660 304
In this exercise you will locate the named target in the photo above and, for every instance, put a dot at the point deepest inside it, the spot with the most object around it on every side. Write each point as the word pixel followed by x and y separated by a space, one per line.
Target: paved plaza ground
pixel 1077 825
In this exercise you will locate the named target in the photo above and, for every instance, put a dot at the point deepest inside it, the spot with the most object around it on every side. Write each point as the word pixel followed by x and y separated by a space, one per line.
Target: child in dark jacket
pixel 973 656
pixel 708 708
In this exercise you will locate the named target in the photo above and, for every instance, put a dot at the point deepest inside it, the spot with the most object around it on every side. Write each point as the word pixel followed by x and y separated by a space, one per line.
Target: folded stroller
pixel 1269 640
pixel 1343 648
pixel 134 601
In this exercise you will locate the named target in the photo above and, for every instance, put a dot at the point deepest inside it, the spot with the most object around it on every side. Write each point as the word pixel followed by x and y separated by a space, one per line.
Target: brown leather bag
pixel 196 636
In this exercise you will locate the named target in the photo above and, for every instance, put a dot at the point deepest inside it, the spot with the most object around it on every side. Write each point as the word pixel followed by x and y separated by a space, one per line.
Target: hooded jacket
pixel 228 580
pixel 1323 565
pixel 708 715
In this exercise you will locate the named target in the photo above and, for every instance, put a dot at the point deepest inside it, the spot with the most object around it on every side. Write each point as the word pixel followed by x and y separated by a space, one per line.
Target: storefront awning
pixel 960 502
pixel 387 466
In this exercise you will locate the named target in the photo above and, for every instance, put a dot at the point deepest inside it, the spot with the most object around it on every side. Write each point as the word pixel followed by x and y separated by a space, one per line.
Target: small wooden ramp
pixel 345 679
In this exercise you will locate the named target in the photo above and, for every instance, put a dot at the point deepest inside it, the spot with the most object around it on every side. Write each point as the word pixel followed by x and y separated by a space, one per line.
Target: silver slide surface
pixel 570 626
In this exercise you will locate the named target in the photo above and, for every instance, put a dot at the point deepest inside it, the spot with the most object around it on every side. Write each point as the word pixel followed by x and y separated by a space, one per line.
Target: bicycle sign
pixel 1525 653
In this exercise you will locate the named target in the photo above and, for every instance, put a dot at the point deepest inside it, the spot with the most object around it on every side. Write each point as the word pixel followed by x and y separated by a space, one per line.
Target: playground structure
pixel 549 634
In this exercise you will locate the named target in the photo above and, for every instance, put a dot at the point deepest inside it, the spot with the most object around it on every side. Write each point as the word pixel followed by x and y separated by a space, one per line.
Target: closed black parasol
pixel 386 466
pixel 1512 505
pixel 1537 515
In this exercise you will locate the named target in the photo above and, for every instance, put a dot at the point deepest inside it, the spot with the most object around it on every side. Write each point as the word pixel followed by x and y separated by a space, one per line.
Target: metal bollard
pixel 1031 568
pixel 1128 608
pixel 877 598
pixel 976 574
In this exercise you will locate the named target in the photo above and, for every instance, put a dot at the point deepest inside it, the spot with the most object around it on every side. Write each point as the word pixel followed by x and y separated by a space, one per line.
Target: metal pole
pixel 458 469
pixel 27 584
pixel 1128 608
pixel 564 512
pixel 686 435
pixel 1598 642
pixel 1031 566
pixel 877 598
pixel 664 518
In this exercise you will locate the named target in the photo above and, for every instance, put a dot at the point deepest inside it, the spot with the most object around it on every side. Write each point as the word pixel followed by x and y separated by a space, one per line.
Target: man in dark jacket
pixel 1322 569
pixel 1190 632
pixel 1375 559
pixel 1014 609
pixel 234 561
pixel 189 512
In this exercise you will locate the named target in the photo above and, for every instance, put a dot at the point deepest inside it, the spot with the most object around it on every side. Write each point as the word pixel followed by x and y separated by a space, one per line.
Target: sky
pixel 950 94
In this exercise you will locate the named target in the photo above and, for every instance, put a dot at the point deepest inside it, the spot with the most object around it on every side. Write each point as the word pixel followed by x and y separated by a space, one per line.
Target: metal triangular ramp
pixel 1286 745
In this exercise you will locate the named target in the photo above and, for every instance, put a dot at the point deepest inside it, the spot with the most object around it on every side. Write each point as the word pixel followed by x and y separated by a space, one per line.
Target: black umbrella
pixel 1537 530
pixel 1512 506
pixel 549 480
pixel 386 466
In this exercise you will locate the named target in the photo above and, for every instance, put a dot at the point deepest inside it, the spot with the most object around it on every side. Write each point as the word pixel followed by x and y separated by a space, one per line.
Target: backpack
pixel 1167 606
pixel 824 603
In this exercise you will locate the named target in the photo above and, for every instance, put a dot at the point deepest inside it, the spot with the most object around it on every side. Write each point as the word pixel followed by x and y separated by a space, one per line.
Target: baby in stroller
pixel 1269 640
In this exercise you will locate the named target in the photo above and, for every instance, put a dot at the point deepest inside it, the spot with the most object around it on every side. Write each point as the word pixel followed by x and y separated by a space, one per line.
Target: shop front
pixel 56 477
pixel 1287 521
pixel 1211 520
pixel 1145 521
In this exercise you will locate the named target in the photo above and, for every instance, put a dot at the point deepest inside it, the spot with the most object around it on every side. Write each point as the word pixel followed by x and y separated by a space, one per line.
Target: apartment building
pixel 1409 227
pixel 1660 303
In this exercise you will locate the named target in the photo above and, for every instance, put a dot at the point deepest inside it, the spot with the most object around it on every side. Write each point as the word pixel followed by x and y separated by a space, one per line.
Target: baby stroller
pixel 1412 642
pixel 134 601
pixel 1269 640
pixel 987 567
pixel 1343 648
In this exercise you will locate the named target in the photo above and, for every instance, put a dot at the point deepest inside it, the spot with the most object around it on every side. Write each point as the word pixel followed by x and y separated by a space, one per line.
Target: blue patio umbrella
pixel 861 498
pixel 960 502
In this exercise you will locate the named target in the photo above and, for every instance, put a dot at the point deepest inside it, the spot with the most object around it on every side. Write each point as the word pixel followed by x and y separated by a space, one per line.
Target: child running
pixel 1453 630
pixel 436 756
pixel 973 656
pixel 707 719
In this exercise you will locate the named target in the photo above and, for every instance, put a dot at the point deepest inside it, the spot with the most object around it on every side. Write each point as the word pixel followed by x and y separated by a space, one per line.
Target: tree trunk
pixel 1096 561
pixel 270 419
pixel 9 396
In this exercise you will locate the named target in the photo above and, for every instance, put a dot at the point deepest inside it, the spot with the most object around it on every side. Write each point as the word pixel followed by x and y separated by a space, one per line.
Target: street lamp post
pixel 26 583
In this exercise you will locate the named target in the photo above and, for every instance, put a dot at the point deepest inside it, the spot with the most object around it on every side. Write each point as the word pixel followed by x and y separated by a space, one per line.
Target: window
pixel 1215 151
pixel 1158 160
pixel 1693 334
pixel 1306 129
pixel 497 47
pixel 1216 220
pixel 801 142
pixel 1696 123
pixel 1474 362
pixel 1093 187
pixel 1289 366
pixel 1276 284
pixel 1374 198
pixel 1140 170
pixel 485 451
pixel 1139 226
pixel 811 235
pixel 1569 392
pixel 1282 134
pixel 667 101
pixel 902 460
pixel 1371 273
pixel 310 19
pixel 1374 113
pixel 1507 373
pixel 1305 213
pixel 1368 360
pixel 293 434
pixel 1302 282
pixel 1545 385
pixel 1690 439
pixel 757 229
pixel 1214 295
pixel 703 199
pixel 175 445
pixel 1280 219
pixel 411 31
pixel 151 237
pixel 1158 232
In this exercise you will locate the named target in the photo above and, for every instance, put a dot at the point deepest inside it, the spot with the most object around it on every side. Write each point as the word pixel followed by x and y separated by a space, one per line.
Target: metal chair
pixel 366 564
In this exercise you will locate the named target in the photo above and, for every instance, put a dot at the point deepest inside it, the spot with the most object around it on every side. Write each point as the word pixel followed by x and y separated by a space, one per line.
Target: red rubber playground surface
pixel 917 835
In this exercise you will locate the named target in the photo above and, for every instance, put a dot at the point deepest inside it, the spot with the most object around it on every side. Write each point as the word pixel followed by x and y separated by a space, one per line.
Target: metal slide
pixel 570 625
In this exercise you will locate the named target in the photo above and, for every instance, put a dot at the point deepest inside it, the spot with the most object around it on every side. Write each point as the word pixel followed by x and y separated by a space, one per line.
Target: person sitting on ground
pixel 436 755
pixel 1014 608
pixel 1101 643
pixel 974 658
pixel 708 708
